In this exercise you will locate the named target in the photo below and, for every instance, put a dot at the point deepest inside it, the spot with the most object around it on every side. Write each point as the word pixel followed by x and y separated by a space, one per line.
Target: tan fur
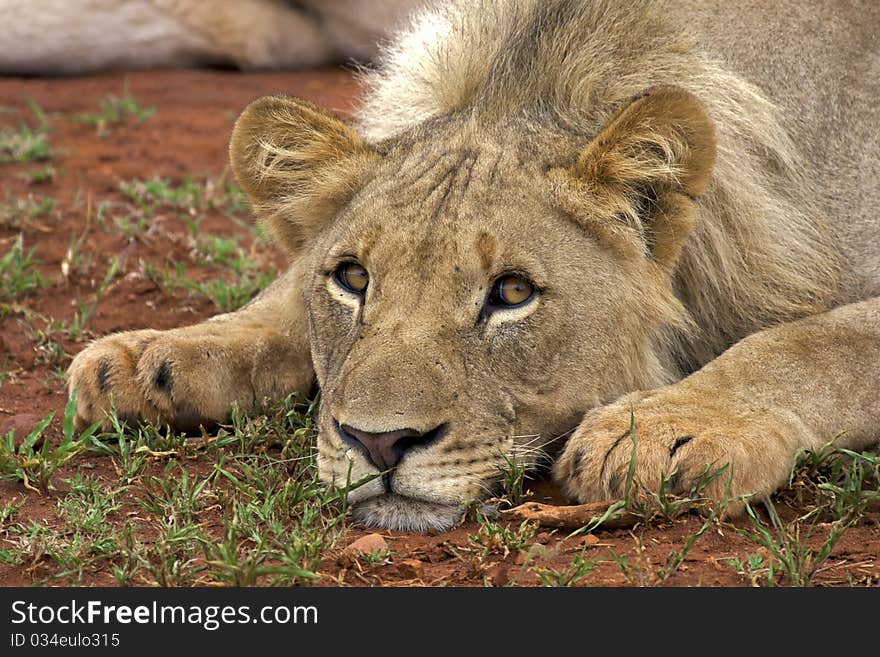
pixel 671 197
pixel 297 164
pixel 660 145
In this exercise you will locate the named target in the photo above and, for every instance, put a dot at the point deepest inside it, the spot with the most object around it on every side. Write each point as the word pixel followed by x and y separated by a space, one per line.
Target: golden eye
pixel 511 291
pixel 352 277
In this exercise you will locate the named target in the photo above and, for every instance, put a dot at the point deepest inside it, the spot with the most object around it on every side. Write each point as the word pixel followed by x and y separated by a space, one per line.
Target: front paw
pixel 185 377
pixel 104 374
pixel 678 439
pixel 158 377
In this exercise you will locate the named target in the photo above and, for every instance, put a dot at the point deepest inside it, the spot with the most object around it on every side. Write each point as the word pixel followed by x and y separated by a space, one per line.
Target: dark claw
pixel 625 434
pixel 680 442
pixel 613 483
pixel 162 379
pixel 103 376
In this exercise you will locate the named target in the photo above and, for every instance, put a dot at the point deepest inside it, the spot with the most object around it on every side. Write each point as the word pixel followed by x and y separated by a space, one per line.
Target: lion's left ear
pixel 634 185
pixel 297 164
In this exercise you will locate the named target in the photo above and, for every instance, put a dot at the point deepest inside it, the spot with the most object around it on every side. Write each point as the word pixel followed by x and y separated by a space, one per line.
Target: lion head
pixel 473 288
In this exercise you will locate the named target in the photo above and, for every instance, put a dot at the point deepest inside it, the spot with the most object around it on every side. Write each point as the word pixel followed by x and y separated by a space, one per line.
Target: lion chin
pixel 393 511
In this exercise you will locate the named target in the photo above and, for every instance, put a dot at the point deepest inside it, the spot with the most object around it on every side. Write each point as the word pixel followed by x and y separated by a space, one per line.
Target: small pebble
pixel 368 544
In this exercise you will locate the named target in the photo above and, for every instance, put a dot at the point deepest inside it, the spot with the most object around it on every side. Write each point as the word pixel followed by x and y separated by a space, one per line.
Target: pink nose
pixel 386 449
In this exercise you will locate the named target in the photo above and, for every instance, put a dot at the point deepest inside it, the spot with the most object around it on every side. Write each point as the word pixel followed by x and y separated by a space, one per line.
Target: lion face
pixel 462 316
pixel 443 307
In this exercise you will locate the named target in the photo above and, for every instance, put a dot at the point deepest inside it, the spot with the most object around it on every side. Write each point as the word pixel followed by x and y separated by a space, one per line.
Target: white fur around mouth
pixel 392 511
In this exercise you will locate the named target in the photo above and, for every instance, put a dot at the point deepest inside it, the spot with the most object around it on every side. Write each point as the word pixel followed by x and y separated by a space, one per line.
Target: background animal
pixel 73 36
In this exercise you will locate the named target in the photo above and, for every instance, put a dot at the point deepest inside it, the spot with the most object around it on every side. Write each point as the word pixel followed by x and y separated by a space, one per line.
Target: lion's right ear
pixel 297 164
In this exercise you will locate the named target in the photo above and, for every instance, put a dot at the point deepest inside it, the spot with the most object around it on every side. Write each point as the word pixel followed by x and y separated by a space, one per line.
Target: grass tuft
pixel 26 144
pixel 34 460
pixel 18 275
pixel 115 111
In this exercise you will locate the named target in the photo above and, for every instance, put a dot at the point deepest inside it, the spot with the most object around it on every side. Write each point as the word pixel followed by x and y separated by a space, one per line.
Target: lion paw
pixel 104 373
pixel 679 439
pixel 182 377
pixel 188 376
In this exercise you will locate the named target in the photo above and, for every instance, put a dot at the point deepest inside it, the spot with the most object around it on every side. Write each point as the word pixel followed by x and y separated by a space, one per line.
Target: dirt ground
pixel 186 138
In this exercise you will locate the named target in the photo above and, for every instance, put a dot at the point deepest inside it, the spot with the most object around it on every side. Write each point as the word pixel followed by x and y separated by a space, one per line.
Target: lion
pixel 74 36
pixel 553 220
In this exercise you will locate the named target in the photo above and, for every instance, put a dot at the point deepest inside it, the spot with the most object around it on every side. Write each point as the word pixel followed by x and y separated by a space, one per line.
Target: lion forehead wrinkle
pixel 437 184
pixel 486 246
pixel 448 186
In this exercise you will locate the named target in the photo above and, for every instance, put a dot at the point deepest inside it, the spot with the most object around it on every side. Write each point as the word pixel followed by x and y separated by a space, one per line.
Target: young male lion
pixel 546 206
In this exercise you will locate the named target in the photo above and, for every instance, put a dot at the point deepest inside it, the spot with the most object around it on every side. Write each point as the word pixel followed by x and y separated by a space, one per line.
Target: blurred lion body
pixel 73 36
pixel 691 188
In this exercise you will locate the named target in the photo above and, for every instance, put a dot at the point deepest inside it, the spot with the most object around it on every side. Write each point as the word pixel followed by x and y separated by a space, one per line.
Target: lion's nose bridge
pixel 402 381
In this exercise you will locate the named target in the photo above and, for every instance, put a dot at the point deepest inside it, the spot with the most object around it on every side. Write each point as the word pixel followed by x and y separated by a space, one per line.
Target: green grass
pixel 7 374
pixel 173 494
pixel 513 474
pixel 47 339
pixel 78 259
pixel 79 536
pixel 41 176
pixel 798 550
pixel 753 566
pixel 230 295
pixel 832 488
pixel 242 506
pixel 495 539
pixel 19 213
pixel 277 519
pixel 35 460
pixel 243 277
pixel 26 143
pixel 150 195
pixel 18 275
pixel 572 575
pixel 239 279
pixel 494 542
pixel 115 111
pixel 189 199
pixel 640 571
pixel 8 511
pixel 47 333
pixel 228 197
pixel 47 346
pixel 223 253
pixel 834 483
pixel 131 225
